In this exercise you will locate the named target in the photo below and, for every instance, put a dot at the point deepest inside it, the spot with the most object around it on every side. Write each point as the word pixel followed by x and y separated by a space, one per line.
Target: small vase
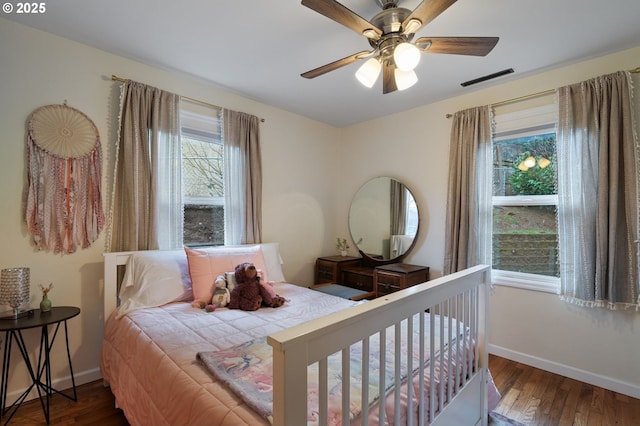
pixel 343 253
pixel 45 305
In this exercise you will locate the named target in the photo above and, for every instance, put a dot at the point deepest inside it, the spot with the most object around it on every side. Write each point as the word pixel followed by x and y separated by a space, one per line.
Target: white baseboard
pixel 61 384
pixel 594 379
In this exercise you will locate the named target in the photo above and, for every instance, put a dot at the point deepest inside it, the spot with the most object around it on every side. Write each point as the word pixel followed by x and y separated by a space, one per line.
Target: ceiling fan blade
pixel 337 64
pixel 342 15
pixel 388 78
pixel 475 46
pixel 426 12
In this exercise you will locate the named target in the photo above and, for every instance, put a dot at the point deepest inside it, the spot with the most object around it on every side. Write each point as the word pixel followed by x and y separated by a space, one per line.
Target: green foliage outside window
pixel 535 180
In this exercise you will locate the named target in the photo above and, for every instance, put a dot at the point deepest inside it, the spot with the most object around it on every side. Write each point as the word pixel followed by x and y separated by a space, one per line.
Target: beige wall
pixel 593 345
pixel 305 200
pixel 38 69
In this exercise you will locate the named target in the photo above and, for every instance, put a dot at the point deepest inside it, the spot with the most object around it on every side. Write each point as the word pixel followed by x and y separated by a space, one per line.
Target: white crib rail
pixel 458 298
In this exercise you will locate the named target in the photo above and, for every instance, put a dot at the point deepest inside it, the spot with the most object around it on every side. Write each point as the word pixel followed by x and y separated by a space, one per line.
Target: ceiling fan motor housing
pixel 387 4
pixel 390 21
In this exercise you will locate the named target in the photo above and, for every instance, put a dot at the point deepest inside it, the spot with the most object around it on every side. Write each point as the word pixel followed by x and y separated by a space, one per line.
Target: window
pixel 202 174
pixel 411 226
pixel 524 198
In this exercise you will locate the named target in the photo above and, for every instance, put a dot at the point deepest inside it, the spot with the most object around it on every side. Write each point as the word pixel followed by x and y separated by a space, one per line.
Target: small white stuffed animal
pixel 221 297
pixel 221 282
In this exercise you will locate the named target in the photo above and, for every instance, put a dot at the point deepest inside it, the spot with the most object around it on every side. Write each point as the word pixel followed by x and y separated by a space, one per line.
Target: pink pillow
pixel 206 264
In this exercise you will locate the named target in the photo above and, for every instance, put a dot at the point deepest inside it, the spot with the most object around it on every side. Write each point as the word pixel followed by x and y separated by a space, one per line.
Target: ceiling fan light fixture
pixel 406 56
pixel 368 72
pixel 412 26
pixel 390 33
pixel 369 33
pixel 405 79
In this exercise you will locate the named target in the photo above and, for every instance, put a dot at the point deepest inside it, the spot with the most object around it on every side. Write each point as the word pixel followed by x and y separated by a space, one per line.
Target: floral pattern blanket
pixel 247 370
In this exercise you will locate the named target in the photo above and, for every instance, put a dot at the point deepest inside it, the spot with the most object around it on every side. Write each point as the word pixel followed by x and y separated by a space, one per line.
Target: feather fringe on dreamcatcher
pixel 64 168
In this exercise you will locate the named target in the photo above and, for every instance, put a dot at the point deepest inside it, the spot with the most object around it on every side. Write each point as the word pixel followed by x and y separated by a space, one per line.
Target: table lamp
pixel 14 291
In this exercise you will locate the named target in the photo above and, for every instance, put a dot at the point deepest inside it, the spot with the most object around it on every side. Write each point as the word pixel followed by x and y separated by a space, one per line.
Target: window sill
pixel 526 281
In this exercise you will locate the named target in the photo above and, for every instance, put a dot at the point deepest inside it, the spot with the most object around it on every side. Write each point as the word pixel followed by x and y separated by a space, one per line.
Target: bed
pixel 168 363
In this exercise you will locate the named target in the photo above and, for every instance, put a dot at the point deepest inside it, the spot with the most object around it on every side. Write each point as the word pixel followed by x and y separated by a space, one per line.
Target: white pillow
pixel 154 278
pixel 273 261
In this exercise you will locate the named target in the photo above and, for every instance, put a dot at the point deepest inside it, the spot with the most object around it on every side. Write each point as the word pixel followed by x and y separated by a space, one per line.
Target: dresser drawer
pixel 398 276
pixel 388 283
pixel 329 269
pixel 325 272
pixel 362 280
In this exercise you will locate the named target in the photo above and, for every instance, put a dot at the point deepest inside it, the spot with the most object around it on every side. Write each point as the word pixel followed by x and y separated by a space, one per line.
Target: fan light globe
pixel 368 73
pixel 405 79
pixel 406 56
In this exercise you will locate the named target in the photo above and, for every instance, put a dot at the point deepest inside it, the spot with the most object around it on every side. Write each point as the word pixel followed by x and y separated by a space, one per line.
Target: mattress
pixel 149 357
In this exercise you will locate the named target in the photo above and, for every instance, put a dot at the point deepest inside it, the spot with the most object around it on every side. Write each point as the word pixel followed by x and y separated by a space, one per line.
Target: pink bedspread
pixel 149 357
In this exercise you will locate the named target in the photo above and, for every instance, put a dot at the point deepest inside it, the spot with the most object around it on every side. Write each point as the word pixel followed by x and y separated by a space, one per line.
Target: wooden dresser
pixel 398 276
pixel 353 272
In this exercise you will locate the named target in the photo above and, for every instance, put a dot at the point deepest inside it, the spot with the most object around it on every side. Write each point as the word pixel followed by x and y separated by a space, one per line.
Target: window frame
pixel 201 123
pixel 525 280
pixel 538 118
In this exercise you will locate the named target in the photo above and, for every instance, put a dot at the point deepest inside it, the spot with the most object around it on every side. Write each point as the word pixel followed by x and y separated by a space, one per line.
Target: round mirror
pixel 383 220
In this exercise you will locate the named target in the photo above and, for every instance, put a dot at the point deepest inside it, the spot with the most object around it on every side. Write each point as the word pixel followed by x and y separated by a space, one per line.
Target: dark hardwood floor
pixel 537 397
pixel 529 395
pixel 95 406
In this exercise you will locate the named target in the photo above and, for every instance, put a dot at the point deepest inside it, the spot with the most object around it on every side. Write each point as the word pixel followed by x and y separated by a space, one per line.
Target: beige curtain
pixel 243 178
pixel 398 208
pixel 146 205
pixel 469 191
pixel 598 193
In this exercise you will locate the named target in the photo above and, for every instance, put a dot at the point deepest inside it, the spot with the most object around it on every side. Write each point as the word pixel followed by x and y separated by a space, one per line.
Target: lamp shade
pixel 368 73
pixel 14 287
pixel 405 79
pixel 406 56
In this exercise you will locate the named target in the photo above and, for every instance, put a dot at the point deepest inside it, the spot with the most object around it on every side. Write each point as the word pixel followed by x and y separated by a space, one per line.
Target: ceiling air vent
pixel 487 77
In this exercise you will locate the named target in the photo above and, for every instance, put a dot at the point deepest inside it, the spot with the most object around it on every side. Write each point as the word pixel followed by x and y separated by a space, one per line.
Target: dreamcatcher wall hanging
pixel 64 175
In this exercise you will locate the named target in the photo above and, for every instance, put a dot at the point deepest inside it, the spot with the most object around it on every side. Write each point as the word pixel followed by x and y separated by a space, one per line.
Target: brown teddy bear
pixel 248 294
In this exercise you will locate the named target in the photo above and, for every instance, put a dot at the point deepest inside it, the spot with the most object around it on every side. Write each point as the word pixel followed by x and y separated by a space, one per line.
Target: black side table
pixel 13 332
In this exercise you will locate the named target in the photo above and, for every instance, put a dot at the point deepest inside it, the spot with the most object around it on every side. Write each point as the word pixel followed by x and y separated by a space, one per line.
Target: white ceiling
pixel 259 48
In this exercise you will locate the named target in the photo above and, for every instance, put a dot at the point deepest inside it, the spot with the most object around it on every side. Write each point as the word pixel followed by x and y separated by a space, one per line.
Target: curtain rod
pixel 534 95
pixel 184 98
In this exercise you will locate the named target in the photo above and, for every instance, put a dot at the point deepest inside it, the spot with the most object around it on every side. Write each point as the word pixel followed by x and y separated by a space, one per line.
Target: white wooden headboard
pixel 111 263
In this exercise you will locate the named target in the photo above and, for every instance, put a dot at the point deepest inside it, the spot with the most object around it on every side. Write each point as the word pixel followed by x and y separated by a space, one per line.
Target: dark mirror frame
pixel 368 259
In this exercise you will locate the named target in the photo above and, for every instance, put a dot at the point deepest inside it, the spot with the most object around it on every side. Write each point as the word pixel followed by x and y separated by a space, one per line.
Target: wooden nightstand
pixel 398 276
pixel 329 268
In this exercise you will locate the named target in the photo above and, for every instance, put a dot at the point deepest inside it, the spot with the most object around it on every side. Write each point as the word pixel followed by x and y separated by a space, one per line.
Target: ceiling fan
pixel 390 33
